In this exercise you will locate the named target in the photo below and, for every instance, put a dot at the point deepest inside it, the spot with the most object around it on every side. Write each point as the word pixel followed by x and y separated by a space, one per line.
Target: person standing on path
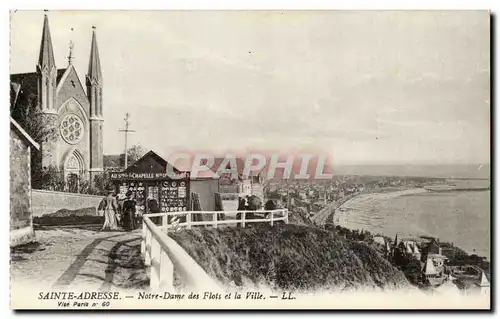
pixel 128 209
pixel 153 208
pixel 120 198
pixel 109 206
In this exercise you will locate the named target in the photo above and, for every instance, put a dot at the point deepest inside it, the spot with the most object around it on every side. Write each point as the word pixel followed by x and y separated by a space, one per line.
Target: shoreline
pixel 345 206
pixel 384 195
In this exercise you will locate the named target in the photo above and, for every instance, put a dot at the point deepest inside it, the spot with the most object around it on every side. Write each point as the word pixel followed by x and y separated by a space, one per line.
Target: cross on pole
pixel 126 131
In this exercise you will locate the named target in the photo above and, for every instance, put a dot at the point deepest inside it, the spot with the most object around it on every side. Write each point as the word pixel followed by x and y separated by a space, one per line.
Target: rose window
pixel 71 129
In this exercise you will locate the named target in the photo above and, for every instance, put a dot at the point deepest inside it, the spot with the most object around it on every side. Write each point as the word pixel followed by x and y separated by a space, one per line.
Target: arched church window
pixel 73 163
pixel 72 129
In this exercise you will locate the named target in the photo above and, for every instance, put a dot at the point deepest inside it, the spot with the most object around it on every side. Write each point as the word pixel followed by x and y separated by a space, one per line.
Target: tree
pixel 40 127
pixel 48 178
pixel 102 183
pixel 31 118
pixel 134 153
pixel 412 271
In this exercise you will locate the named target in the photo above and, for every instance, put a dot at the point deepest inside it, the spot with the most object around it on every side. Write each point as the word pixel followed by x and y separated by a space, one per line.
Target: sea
pixel 460 217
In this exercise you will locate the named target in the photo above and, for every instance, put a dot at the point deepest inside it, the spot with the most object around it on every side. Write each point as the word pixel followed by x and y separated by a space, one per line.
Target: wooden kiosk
pixel 147 179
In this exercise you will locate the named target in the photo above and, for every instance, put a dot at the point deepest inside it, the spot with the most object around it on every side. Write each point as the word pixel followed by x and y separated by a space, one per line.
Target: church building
pixel 74 110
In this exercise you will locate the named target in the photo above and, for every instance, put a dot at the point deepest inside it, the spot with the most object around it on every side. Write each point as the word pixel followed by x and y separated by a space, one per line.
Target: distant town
pixel 427 263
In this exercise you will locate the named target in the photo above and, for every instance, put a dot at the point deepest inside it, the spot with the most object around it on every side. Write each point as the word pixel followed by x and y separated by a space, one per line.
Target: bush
pixel 289 257
pixel 412 271
pixel 67 220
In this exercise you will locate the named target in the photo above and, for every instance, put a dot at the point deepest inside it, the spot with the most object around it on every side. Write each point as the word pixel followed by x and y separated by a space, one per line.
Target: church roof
pixel 26 85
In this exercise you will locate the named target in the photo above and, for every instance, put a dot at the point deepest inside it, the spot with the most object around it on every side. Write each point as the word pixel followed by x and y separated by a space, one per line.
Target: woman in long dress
pixel 154 209
pixel 109 206
pixel 119 216
pixel 128 209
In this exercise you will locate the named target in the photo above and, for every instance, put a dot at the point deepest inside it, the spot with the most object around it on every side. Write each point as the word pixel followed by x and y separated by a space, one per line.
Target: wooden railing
pixel 162 254
pixel 217 218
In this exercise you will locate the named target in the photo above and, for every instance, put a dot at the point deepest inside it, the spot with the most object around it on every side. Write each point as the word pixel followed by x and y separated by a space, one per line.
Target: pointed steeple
pixel 46 72
pixel 46 58
pixel 94 74
pixel 429 268
pixel 484 280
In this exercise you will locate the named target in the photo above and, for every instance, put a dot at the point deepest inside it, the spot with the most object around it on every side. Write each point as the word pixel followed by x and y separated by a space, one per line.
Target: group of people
pixel 122 212
pixel 118 212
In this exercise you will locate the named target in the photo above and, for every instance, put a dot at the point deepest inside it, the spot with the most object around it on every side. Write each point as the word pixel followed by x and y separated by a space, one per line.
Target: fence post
pixel 143 242
pixel 243 213
pixel 272 223
pixel 215 219
pixel 147 260
pixel 154 280
pixel 286 214
pixel 164 223
pixel 188 220
pixel 166 272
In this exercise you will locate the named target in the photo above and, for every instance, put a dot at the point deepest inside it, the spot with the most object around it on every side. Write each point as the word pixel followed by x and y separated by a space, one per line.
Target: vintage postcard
pixel 250 160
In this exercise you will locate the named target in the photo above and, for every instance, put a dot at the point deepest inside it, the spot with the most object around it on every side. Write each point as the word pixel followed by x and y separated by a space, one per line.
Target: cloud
pixel 380 81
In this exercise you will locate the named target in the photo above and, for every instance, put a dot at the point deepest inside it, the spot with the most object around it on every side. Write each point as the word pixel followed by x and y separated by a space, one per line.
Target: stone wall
pixel 48 202
pixel 20 186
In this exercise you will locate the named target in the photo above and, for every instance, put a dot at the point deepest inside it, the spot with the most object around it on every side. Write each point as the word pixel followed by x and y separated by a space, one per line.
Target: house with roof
pixel 433 275
pixel 410 247
pixel 477 285
pixel 21 215
pixel 73 108
pixel 242 186
pixel 484 285
pixel 433 251
pixel 431 247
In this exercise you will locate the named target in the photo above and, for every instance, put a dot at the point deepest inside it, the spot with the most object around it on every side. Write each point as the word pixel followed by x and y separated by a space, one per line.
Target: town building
pixel 73 109
pixel 484 285
pixel 21 215
pixel 477 285
pixel 434 263
pixel 243 185
pixel 432 247
pixel 411 248
pixel 432 275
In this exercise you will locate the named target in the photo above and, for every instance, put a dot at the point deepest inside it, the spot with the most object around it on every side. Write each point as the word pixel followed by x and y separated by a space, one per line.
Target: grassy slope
pixel 293 257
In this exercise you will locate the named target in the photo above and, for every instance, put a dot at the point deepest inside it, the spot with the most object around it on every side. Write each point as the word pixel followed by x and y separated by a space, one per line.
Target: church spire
pixel 46 58
pixel 71 47
pixel 94 73
pixel 46 71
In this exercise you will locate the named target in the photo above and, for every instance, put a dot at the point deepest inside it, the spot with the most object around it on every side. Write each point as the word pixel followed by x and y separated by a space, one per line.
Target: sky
pixel 366 87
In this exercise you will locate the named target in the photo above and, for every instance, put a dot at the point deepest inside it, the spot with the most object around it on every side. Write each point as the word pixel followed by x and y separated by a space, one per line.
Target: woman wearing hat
pixel 109 206
pixel 128 209
pixel 120 198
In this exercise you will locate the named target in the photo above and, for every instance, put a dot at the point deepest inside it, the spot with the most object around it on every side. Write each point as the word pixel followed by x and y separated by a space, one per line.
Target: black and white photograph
pixel 250 159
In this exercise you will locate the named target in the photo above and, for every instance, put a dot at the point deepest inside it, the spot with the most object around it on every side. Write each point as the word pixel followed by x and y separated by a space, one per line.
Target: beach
pixel 460 217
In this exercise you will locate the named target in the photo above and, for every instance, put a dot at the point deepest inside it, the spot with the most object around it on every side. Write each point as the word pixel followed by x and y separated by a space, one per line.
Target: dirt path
pixel 69 258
